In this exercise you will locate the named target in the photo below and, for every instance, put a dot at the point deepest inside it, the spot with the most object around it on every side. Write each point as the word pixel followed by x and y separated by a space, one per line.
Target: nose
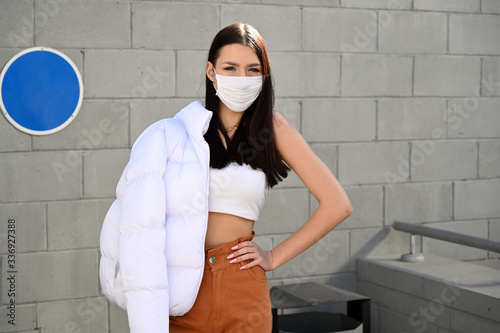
pixel 242 72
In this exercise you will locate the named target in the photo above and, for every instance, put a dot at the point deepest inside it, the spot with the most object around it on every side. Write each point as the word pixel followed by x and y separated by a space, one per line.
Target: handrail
pixel 449 236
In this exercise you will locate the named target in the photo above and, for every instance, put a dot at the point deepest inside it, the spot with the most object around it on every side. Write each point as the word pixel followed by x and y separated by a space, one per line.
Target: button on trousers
pixel 230 300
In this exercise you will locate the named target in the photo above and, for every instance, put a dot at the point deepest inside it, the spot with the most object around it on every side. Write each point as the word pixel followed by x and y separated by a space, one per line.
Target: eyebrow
pixel 235 64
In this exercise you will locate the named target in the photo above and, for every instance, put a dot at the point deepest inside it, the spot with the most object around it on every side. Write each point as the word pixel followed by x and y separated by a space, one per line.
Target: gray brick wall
pixel 433 296
pixel 400 99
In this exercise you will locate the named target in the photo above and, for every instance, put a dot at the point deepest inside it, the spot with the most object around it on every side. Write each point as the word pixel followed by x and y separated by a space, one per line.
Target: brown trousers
pixel 230 300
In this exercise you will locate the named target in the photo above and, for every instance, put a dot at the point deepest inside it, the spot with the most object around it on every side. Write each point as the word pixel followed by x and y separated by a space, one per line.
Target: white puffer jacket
pixel 152 239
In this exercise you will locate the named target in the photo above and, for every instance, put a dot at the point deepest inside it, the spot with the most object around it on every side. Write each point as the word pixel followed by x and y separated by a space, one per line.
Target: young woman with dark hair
pixel 177 249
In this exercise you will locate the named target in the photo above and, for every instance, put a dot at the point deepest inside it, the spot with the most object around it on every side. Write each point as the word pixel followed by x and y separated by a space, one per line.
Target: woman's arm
pixel 334 205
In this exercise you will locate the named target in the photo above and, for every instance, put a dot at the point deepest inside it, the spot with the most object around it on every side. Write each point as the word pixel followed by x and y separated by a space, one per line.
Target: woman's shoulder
pixel 281 123
pixel 279 119
pixel 284 132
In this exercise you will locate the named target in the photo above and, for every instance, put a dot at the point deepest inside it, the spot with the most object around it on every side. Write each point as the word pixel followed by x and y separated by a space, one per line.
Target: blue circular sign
pixel 41 91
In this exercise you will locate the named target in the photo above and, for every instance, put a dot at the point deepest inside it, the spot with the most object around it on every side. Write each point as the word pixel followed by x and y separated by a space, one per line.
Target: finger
pixel 241 251
pixel 238 253
pixel 242 245
pixel 248 256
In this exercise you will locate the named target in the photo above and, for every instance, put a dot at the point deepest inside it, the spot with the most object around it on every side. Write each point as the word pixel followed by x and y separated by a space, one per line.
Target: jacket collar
pixel 196 118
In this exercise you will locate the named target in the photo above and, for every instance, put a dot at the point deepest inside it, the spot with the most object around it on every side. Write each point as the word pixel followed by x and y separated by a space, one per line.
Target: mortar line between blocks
pixel 481 60
pixel 409 161
pixel 414 59
pixel 36 316
pixel 300 116
pixel 448 33
pixel 477 159
pixel 176 72
pixel 378 34
pixel 34 25
pixel 129 127
pixel 337 149
pixel 220 16
pixel 131 26
pixel 83 178
pixel 46 226
pixel 453 200
pixel 376 120
pixel 489 228
pixel 340 75
pixel 446 105
pixel 349 236
pixel 301 28
pixel 383 205
pixel 83 67
pixel 30 138
pixel 108 305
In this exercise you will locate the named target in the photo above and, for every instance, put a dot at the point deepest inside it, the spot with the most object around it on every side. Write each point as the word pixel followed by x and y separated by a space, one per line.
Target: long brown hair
pixel 253 141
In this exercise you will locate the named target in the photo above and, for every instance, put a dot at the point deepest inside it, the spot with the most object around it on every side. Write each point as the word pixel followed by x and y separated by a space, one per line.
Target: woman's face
pixel 235 60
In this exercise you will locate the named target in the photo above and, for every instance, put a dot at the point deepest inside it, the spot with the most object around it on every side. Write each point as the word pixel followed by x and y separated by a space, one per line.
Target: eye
pixel 230 68
pixel 255 70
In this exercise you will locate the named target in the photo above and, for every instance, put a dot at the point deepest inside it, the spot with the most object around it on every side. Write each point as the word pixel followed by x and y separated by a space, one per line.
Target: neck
pixel 228 117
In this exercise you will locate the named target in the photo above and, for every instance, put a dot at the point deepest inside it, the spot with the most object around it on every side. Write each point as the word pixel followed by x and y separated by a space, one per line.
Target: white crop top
pixel 238 190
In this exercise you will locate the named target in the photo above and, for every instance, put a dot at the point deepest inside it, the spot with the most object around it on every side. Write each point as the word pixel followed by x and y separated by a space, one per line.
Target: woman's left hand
pixel 249 250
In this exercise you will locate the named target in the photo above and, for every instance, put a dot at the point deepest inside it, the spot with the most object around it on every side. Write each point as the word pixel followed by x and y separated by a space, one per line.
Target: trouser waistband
pixel 216 257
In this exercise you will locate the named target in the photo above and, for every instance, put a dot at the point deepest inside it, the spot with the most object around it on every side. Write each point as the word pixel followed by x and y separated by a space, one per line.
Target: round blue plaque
pixel 41 91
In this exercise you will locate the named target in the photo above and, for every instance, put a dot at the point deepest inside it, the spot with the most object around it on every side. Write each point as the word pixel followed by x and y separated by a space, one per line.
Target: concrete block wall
pixel 400 98
pixel 437 295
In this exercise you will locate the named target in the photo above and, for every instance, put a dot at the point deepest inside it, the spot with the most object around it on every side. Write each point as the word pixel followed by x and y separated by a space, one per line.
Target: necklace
pixel 232 128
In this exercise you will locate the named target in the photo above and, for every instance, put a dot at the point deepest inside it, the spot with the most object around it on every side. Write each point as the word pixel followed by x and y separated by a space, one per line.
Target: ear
pixel 210 71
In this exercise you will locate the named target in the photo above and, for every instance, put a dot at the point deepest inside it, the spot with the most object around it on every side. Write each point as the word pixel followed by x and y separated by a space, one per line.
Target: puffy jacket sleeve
pixel 141 243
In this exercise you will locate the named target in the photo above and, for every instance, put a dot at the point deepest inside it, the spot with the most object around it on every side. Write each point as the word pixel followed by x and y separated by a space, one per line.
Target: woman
pixel 177 250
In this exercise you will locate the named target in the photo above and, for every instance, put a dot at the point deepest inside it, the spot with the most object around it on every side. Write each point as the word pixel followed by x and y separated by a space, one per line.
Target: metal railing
pixel 445 235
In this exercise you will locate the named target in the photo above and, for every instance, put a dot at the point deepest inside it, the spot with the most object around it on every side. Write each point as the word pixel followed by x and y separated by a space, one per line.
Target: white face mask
pixel 238 92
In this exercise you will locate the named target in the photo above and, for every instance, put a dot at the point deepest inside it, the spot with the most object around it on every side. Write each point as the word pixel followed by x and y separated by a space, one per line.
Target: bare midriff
pixel 223 228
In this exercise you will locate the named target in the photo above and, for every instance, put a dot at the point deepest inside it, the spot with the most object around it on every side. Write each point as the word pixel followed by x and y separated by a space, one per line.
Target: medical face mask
pixel 238 92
